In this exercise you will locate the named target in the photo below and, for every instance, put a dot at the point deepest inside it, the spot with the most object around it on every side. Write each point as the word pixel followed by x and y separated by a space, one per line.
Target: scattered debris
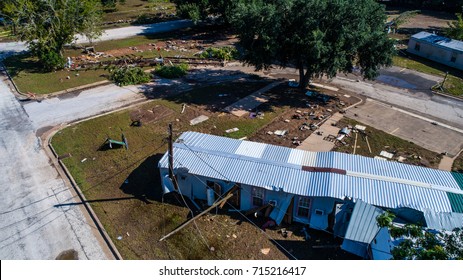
pixel 306 234
pixel 83 160
pixel 280 132
pixel 360 127
pixel 199 119
pixel 292 83
pixel 386 154
pixel 232 130
pixel 119 237
pixel 287 121
pixel 183 108
pixel 401 159
pixel 234 236
pixel 270 132
pixel 265 251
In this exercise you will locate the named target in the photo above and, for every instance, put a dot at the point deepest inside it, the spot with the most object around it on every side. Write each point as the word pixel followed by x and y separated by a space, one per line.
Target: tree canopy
pixel 201 9
pixel 419 243
pixel 455 29
pixel 48 25
pixel 319 37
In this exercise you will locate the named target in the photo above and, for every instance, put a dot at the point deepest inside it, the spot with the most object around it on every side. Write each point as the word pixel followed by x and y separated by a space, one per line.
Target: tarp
pixel 279 211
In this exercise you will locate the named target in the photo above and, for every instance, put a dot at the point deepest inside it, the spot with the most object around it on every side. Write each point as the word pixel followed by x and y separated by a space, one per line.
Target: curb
pixel 70 90
pixel 48 137
pixel 83 200
pixel 447 96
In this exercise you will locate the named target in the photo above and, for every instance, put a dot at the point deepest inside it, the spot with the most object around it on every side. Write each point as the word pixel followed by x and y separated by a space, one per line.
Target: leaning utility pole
pixel 171 159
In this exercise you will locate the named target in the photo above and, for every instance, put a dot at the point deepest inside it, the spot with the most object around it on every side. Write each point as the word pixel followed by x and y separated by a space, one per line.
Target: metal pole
pixel 171 158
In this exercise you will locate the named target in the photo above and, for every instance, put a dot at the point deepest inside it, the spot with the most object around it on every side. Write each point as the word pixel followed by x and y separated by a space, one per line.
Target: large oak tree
pixel 319 37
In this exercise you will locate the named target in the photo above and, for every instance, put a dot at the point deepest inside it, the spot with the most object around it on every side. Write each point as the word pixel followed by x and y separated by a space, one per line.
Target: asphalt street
pixel 108 34
pixel 40 218
pixel 32 224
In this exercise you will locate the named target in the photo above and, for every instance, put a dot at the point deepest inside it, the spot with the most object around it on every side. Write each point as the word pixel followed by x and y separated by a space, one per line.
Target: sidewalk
pixel 248 103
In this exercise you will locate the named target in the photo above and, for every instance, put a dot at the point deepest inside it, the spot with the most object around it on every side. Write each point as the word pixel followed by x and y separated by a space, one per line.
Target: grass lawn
pixel 134 210
pixel 29 77
pixel 453 84
pixel 132 9
pixel 382 141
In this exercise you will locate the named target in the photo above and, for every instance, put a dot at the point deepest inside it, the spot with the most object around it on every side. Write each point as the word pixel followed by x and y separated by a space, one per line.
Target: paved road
pixel 71 107
pixel 418 99
pixel 31 227
pixel 109 34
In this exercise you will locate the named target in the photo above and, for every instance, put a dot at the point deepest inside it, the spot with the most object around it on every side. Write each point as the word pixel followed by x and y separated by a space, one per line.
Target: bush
pixel 172 72
pixel 224 53
pixel 52 60
pixel 128 75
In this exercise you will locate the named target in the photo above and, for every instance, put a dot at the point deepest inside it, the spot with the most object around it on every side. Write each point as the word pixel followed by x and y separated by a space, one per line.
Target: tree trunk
pixel 304 78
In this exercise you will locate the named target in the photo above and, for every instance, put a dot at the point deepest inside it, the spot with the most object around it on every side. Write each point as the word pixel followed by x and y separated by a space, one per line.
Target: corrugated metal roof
pixel 456 200
pixel 280 167
pixel 439 41
pixel 443 221
pixel 362 226
pixel 251 149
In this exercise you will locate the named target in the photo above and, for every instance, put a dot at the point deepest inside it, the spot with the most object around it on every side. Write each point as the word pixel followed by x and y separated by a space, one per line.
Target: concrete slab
pixel 315 142
pixel 245 105
pixel 410 127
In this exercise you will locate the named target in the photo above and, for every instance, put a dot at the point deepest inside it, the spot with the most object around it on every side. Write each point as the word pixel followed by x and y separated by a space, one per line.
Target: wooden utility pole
pixel 171 158
pixel 223 200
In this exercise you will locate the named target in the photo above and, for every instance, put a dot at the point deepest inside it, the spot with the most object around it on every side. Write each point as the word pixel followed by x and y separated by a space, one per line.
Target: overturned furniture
pixel 110 142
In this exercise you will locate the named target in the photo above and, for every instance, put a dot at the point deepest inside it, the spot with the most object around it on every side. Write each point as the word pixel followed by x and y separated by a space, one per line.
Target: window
pixel 257 196
pixel 453 58
pixel 303 207
pixel 417 46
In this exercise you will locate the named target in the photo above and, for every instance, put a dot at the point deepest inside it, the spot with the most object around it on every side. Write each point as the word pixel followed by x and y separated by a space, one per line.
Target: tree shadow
pixel 144 183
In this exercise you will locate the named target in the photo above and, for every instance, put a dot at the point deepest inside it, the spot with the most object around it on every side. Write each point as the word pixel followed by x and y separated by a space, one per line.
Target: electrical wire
pixel 249 220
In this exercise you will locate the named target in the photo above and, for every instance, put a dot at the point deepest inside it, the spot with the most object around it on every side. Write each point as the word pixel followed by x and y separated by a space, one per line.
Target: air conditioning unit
pixel 273 203
pixel 319 212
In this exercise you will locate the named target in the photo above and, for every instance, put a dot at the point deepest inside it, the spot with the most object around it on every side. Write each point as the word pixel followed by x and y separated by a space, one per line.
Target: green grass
pixel 453 85
pixel 382 141
pixel 136 207
pixel 29 76
pixel 131 9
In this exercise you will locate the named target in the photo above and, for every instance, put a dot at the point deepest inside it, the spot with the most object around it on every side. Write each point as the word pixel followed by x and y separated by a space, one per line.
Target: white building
pixel 437 48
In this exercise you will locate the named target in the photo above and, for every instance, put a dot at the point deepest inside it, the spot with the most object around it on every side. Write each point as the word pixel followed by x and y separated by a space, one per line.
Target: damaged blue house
pixel 302 186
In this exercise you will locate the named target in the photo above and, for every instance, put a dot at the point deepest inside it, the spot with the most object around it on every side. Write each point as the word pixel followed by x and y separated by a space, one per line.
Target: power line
pixel 232 206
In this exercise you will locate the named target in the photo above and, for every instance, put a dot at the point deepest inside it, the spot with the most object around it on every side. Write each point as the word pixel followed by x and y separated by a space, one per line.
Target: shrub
pixel 172 72
pixel 224 53
pixel 52 60
pixel 129 75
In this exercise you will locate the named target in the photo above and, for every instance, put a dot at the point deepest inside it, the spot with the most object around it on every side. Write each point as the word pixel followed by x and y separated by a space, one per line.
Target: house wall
pixel 317 220
pixel 436 53
pixel 195 187
pixel 381 246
